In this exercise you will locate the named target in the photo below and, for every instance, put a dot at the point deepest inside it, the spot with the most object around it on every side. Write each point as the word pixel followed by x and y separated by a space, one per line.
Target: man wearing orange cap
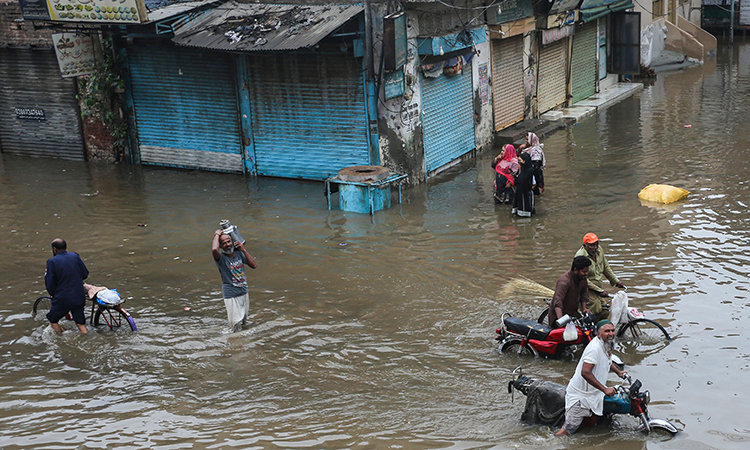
pixel 597 272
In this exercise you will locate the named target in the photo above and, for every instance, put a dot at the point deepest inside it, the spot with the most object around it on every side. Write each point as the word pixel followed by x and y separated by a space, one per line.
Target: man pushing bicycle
pixel 64 281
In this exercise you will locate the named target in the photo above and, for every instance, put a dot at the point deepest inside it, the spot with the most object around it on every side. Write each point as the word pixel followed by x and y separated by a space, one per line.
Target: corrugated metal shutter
pixel 31 79
pixel 583 62
pixel 745 12
pixel 507 81
pixel 551 85
pixel 185 108
pixel 447 118
pixel 308 114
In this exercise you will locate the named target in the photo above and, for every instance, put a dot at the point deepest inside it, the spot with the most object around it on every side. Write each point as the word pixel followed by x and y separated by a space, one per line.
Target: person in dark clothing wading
pixel 64 281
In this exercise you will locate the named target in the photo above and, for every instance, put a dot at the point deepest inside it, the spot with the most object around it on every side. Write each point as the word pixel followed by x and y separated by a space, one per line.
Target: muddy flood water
pixel 378 332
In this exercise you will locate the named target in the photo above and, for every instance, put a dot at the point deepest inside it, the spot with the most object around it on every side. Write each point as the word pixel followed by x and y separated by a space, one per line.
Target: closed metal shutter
pixel 551 86
pixel 31 80
pixel 308 114
pixel 507 81
pixel 745 12
pixel 583 62
pixel 185 108
pixel 447 118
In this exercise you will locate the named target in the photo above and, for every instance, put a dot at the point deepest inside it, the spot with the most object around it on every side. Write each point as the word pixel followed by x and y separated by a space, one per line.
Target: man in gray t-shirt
pixel 231 258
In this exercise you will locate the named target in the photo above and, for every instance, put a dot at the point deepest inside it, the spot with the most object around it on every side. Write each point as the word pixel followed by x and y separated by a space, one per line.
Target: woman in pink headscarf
pixel 506 168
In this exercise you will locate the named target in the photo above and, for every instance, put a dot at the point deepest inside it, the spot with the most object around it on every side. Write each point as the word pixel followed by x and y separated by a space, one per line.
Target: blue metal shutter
pixel 185 108
pixel 447 118
pixel 308 114
pixel 583 62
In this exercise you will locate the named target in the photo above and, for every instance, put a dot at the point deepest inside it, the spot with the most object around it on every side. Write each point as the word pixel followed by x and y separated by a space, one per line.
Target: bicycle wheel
pixel 41 307
pixel 543 317
pixel 115 318
pixel 514 347
pixel 643 331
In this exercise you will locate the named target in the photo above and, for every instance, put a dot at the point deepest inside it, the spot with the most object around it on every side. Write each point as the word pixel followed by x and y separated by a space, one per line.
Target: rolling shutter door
pixel 583 62
pixel 31 79
pixel 308 114
pixel 185 108
pixel 551 86
pixel 507 81
pixel 447 118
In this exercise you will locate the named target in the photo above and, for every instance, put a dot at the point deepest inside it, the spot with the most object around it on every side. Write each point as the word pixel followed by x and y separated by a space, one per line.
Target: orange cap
pixel 590 238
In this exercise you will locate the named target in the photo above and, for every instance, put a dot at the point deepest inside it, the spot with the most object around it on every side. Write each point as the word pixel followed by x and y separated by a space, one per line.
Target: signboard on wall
pixel 555 34
pixel 394 37
pixel 509 10
pixel 394 84
pixel 34 9
pixel 75 53
pixel 98 11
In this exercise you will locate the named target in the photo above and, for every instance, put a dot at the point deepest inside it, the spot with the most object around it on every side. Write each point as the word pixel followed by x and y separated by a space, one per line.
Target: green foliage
pixel 98 92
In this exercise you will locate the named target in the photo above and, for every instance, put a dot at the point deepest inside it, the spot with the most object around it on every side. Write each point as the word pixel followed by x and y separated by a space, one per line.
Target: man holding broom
pixel 597 272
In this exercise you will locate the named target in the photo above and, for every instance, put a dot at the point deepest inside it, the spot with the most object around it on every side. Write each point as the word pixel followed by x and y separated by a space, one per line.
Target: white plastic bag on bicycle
pixel 618 308
pixel 108 297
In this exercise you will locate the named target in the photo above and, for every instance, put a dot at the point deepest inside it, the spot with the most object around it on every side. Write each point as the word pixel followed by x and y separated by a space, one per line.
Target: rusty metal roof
pixel 256 27
pixel 175 9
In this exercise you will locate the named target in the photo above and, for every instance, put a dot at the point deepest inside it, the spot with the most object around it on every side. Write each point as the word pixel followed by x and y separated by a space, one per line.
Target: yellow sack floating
pixel 662 193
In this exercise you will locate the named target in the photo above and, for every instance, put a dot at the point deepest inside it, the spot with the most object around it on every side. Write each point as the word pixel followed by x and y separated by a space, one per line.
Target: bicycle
pixel 639 330
pixel 115 317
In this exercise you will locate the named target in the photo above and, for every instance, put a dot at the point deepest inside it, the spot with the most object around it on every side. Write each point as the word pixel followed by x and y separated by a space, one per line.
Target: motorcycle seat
pixel 528 328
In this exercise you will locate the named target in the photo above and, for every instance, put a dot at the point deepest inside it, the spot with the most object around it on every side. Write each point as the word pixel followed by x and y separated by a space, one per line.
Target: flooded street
pixel 377 332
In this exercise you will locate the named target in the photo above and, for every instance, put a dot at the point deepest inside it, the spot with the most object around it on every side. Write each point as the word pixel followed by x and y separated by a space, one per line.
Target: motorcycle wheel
pixel 514 347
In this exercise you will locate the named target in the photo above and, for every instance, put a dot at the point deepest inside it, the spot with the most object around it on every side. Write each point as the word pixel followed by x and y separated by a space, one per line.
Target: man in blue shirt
pixel 64 280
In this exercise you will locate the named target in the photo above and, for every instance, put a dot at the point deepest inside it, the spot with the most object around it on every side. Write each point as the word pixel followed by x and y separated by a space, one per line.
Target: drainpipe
pixel 368 41
pixel 731 24
pixel 370 93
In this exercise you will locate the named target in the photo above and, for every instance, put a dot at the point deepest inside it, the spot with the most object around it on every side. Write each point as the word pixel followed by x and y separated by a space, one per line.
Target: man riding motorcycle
pixel 585 393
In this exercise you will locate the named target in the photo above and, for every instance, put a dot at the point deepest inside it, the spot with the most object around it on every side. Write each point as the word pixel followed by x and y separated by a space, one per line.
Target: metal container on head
pixel 232 231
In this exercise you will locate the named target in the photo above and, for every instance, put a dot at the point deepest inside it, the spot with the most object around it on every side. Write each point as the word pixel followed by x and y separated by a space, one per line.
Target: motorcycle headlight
pixel 646 397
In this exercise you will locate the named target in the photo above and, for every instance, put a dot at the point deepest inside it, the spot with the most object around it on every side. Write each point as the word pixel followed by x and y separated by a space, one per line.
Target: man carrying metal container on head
pixel 228 249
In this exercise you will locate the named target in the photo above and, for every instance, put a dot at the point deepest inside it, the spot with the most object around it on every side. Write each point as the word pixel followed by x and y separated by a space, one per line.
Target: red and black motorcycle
pixel 527 337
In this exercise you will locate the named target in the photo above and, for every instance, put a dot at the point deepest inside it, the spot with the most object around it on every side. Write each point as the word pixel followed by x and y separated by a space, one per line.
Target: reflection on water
pixel 378 331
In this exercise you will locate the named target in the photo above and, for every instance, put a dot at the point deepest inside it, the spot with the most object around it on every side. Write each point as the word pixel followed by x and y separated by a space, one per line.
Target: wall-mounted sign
pixel 555 34
pixel 394 84
pixel 509 10
pixel 34 9
pixel 29 113
pixel 99 11
pixel 75 53
pixel 394 37
pixel 563 6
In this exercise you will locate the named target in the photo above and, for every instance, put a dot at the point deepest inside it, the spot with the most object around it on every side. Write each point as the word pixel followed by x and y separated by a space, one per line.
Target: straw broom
pixel 524 287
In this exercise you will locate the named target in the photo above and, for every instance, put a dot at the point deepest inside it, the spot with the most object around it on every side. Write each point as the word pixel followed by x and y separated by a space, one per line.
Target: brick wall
pixel 100 145
pixel 17 32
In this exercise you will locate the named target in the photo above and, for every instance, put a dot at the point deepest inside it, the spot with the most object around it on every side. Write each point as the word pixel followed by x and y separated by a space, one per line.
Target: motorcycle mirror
pixel 618 362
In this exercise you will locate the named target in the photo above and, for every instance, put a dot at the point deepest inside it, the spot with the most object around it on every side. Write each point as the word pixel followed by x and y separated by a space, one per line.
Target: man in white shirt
pixel 585 393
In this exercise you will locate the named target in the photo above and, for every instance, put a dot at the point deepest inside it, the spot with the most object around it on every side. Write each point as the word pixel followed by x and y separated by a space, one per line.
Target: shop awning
pixel 454 42
pixel 594 9
pixel 257 27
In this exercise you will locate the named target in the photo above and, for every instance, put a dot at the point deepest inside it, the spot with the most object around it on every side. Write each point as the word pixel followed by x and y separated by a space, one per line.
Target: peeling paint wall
pixel 400 118
pixel 482 84
pixel 530 73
